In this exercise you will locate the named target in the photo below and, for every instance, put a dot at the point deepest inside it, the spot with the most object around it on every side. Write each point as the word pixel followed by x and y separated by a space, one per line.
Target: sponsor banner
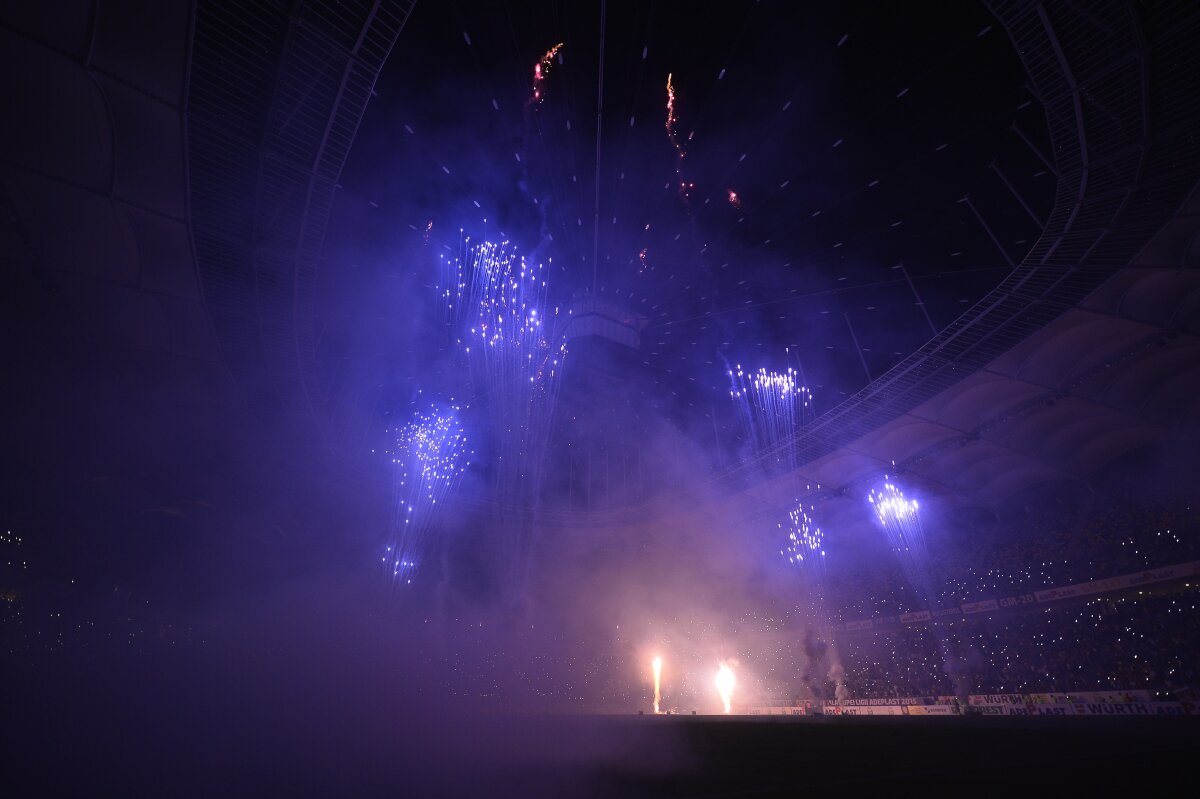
pixel 997 699
pixel 864 624
pixel 937 614
pixel 1000 709
pixel 1020 599
pixel 1148 577
pixel 1111 696
pixel 892 710
pixel 876 701
pixel 996 705
pixel 980 607
pixel 1128 708
pixel 912 618
pixel 1164 574
pixel 1049 699
pixel 774 711
pixel 1051 594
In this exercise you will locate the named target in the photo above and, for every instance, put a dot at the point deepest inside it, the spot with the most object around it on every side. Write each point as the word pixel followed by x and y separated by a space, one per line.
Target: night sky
pixel 848 133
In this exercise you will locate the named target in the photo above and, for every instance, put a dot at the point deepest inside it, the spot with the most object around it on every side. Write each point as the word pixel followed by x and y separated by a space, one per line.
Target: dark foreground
pixel 296 754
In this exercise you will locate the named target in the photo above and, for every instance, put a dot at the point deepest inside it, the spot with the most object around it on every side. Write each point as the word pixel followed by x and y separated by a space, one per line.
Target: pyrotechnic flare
pixel 431 455
pixel 774 406
pixel 540 70
pixel 726 682
pixel 656 665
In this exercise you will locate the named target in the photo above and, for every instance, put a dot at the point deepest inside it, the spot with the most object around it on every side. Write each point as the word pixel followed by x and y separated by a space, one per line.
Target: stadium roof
pixel 167 188
pixel 1089 349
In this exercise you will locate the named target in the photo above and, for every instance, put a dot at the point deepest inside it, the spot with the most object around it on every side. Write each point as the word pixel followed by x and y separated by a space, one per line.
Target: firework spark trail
pixel 516 356
pixel 656 665
pixel 805 547
pixel 671 118
pixel 540 70
pixel 673 136
pixel 900 519
pixel 431 455
pixel 466 280
pixel 901 522
pixel 726 681
pixel 773 407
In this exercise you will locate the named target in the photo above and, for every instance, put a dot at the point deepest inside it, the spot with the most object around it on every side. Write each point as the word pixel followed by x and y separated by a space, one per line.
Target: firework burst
pixel 773 407
pixel 431 456
pixel 515 353
pixel 901 522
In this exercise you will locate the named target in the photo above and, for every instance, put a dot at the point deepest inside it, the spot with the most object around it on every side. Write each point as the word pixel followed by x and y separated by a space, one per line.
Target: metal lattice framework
pixel 1125 152
pixel 276 92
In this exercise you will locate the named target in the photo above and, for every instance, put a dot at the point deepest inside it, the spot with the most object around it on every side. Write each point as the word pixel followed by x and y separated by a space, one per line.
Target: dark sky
pixel 848 132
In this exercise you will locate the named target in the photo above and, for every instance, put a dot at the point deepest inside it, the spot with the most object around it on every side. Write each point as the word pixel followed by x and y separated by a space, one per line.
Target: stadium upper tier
pixel 1087 349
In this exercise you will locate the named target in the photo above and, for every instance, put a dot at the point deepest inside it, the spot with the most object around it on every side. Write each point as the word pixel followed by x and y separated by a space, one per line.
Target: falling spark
pixel 657 666
pixel 431 455
pixel 428 230
pixel 540 70
pixel 773 406
pixel 805 544
pixel 643 265
pixel 671 111
pixel 672 135
pixel 901 522
pixel 735 200
pixel 496 303
pixel 726 682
